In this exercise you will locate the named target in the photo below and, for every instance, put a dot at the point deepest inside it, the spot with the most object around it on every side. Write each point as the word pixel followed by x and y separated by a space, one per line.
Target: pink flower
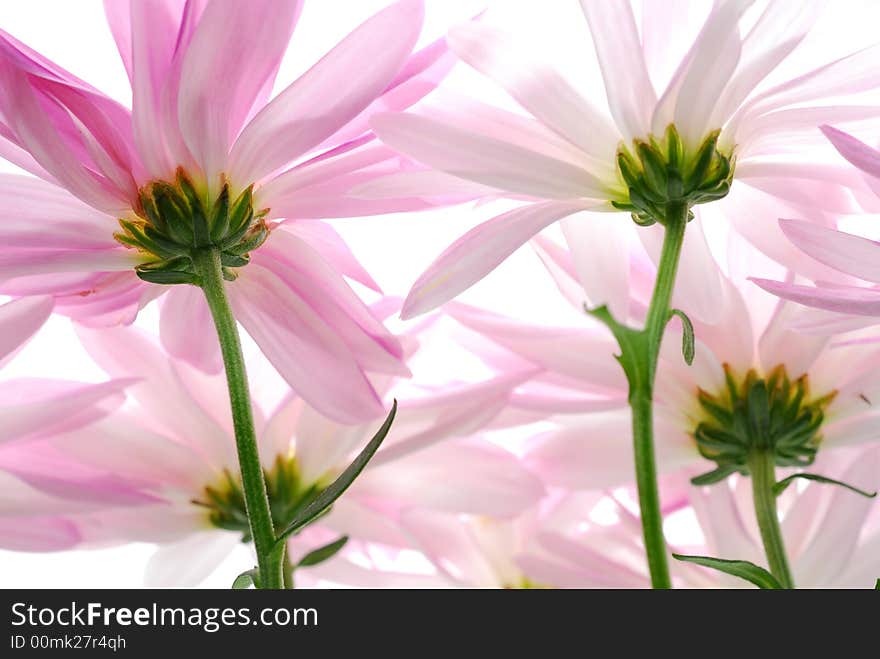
pixel 164 469
pixel 584 393
pixel 593 540
pixel 564 158
pixel 202 117
pixel 852 255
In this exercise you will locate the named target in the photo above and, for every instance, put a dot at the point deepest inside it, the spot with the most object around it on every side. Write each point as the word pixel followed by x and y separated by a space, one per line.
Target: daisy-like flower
pixel 850 254
pixel 681 137
pixel 204 159
pixel 831 391
pixel 171 459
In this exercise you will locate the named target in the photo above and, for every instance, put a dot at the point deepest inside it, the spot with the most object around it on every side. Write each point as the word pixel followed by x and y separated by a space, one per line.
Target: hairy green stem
pixel 641 394
pixel 763 474
pixel 209 271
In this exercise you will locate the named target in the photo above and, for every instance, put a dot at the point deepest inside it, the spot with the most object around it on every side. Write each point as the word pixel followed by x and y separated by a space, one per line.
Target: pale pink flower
pixel 584 392
pixel 852 255
pixel 561 542
pixel 174 441
pixel 201 103
pixel 562 159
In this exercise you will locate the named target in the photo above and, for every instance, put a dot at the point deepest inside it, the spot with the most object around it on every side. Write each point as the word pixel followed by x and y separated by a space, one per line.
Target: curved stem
pixel 763 475
pixel 209 270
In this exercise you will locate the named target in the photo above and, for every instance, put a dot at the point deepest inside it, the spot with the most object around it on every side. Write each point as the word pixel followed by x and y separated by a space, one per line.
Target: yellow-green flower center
pixel 660 171
pixel 225 504
pixel 174 220
pixel 773 414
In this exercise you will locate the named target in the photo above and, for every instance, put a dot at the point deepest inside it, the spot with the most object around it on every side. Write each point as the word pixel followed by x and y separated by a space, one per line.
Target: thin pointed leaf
pixel 246 579
pixel 322 553
pixel 743 569
pixel 687 335
pixel 326 498
pixel 782 485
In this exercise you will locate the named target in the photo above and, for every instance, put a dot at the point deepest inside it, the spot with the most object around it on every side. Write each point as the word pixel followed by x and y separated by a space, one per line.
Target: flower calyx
pixel 174 221
pixel 659 172
pixel 771 414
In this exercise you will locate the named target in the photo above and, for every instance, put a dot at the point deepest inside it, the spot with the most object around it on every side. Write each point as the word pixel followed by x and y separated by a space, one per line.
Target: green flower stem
pixel 763 474
pixel 287 568
pixel 208 269
pixel 641 393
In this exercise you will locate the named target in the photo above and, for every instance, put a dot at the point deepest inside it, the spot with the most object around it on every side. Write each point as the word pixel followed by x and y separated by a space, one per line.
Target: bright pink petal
pixel 327 96
pixel 240 44
pixel 478 252
pixel 184 326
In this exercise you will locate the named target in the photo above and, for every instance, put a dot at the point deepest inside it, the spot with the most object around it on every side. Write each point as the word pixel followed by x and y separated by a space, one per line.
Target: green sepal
pixel 322 554
pixel 325 499
pixel 746 570
pixel 247 579
pixel 201 236
pixel 233 260
pixel 687 335
pixel 241 211
pixel 175 211
pixel 715 476
pixel 654 169
pixel 782 485
pixel 219 220
pixel 177 270
pixel 695 174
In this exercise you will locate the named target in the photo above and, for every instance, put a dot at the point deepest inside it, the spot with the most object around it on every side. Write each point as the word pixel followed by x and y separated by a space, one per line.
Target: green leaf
pixel 742 569
pixel 246 579
pixel 687 335
pixel 782 485
pixel 326 498
pixel 630 341
pixel 322 553
pixel 877 585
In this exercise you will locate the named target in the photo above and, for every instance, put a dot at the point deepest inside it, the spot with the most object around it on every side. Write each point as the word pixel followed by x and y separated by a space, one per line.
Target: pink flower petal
pixel 487 160
pixel 478 252
pixel 327 96
pixel 38 534
pixel 537 87
pixel 185 325
pixel 304 347
pixel 631 95
pixel 849 299
pixel 858 153
pixel 19 321
pixel 37 409
pixel 211 114
pixel 851 254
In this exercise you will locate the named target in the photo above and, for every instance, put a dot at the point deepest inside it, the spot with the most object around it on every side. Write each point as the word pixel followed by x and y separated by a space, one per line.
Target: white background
pixel 395 249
